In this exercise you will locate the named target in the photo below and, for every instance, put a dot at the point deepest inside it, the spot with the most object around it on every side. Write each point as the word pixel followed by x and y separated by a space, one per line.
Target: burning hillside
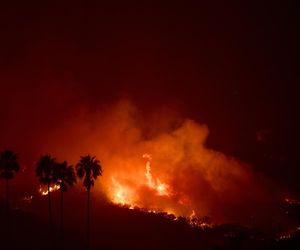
pixel 171 170
pixel 161 163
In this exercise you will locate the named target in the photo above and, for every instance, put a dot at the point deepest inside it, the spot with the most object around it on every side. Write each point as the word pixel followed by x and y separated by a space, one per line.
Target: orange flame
pixel 160 187
pixel 43 190
pixel 125 195
pixel 122 195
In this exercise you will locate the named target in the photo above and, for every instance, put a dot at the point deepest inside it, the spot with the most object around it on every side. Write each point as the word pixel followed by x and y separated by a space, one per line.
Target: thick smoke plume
pixel 197 179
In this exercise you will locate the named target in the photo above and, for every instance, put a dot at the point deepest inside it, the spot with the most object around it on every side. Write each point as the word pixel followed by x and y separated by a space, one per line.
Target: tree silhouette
pixel 66 177
pixel 88 168
pixel 8 166
pixel 45 171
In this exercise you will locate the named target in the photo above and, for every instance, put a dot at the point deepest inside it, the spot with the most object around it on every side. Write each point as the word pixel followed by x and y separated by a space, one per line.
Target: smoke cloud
pixel 198 179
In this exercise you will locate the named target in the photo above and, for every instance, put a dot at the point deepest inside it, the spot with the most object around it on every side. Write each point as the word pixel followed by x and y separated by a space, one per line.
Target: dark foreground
pixel 121 228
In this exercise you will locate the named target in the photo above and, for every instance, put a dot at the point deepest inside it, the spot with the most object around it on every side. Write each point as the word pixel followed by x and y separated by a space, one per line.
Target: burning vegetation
pixel 168 168
pixel 168 172
pixel 43 190
pixel 127 196
pixel 160 162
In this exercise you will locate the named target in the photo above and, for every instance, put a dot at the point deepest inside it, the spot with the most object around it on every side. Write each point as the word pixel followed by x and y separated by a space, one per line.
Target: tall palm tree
pixel 8 166
pixel 88 168
pixel 66 177
pixel 45 171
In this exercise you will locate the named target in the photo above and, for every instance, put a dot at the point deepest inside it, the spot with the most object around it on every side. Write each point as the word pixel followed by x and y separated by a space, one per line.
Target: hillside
pixel 116 227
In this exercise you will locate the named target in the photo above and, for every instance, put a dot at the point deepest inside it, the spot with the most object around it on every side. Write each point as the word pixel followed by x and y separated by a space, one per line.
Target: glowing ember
pixel 28 198
pixel 292 201
pixel 43 190
pixel 294 233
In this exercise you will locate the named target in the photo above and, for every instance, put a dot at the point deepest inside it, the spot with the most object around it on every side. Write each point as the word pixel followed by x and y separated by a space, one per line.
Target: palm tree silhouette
pixel 8 166
pixel 66 177
pixel 88 168
pixel 45 171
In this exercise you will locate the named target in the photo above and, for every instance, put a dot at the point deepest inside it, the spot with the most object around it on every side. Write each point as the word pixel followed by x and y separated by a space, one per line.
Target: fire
pixel 43 190
pixel 125 195
pixel 292 201
pixel 178 174
pixel 27 198
pixel 122 194
pixel 160 187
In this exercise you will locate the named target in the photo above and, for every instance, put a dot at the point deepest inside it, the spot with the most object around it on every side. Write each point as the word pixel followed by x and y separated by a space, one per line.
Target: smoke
pixel 196 177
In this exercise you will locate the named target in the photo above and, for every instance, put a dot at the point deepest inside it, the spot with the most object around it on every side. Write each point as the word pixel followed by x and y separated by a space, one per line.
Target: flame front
pixel 126 194
pixel 160 187
pixel 122 195
pixel 178 175
pixel 43 190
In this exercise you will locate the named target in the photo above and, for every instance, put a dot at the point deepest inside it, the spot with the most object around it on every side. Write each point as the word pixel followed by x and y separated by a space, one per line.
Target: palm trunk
pixel 7 200
pixel 88 219
pixel 61 212
pixel 49 205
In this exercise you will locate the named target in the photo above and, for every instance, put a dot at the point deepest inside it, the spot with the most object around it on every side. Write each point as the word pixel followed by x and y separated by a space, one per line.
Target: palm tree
pixel 66 177
pixel 46 174
pixel 88 168
pixel 8 166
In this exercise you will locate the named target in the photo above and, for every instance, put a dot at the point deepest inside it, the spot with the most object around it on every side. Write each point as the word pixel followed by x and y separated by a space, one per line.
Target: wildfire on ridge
pixel 125 195
pixel 122 194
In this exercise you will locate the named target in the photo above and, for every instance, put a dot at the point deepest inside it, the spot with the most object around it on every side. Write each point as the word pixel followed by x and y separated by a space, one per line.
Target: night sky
pixel 233 68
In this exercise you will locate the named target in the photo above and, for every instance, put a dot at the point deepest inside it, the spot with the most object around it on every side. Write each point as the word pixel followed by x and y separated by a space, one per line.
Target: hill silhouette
pixel 114 227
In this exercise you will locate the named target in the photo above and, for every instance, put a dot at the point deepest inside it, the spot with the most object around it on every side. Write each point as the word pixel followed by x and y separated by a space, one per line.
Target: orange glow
pixel 43 190
pixel 125 195
pixel 122 194
pixel 162 163
pixel 160 187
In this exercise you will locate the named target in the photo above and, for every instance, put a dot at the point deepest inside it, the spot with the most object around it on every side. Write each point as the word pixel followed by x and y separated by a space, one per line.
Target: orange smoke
pixel 160 162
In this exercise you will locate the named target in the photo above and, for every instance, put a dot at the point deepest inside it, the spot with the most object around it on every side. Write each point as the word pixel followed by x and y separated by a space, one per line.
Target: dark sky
pixel 233 68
